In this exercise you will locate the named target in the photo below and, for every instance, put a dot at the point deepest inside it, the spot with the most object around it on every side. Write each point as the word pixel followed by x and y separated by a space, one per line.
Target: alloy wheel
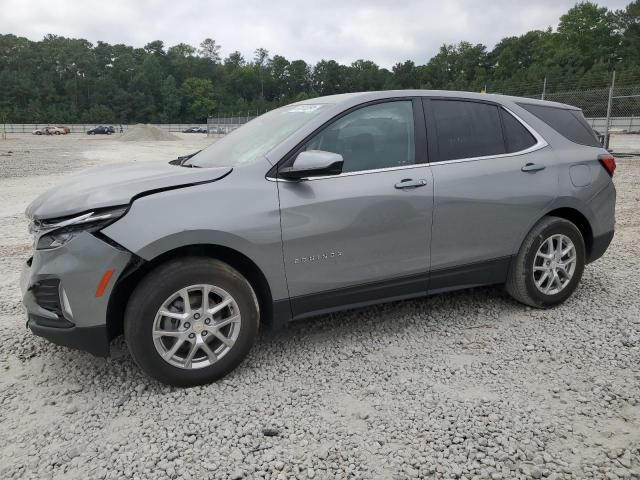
pixel 196 326
pixel 554 264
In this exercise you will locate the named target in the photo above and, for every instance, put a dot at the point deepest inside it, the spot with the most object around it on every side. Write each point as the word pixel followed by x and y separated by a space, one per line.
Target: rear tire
pixel 152 336
pixel 540 276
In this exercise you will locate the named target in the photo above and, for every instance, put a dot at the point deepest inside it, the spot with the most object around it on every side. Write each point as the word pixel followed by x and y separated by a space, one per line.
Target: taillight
pixel 608 162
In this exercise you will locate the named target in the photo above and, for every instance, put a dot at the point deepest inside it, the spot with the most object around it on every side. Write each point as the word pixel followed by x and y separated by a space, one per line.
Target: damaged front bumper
pixel 66 292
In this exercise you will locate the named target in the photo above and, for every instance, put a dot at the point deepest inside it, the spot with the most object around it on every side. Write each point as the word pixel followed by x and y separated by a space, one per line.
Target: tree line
pixel 66 80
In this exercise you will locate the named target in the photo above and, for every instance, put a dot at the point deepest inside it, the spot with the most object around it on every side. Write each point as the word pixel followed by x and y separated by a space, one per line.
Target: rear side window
pixel 516 136
pixel 568 123
pixel 467 129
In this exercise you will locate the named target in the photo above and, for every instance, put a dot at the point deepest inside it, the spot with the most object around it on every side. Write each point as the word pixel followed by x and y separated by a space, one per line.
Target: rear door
pixel 493 177
pixel 363 235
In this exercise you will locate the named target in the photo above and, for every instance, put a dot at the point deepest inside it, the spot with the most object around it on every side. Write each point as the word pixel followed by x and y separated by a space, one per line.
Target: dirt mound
pixel 145 133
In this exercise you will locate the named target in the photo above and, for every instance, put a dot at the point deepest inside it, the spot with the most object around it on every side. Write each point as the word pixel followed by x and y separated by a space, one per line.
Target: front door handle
pixel 533 167
pixel 410 183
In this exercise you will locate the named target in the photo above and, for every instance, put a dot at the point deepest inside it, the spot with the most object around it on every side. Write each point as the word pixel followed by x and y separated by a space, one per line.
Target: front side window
pixel 467 129
pixel 372 137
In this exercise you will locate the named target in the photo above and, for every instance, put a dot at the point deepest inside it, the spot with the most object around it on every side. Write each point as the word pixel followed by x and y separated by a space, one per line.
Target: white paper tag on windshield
pixel 304 108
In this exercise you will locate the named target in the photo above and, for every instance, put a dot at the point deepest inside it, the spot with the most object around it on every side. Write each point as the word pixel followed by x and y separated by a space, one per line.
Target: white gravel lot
pixel 465 385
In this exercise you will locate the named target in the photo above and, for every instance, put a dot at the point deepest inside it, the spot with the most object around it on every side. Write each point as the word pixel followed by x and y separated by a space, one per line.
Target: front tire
pixel 549 264
pixel 180 339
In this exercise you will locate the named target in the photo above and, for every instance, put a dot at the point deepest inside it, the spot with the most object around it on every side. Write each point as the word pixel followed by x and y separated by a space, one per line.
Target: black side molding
pixel 359 295
pixel 401 288
pixel 600 245
pixel 471 275
pixel 281 315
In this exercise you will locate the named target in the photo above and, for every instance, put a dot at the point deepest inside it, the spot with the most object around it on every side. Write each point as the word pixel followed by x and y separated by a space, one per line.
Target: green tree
pixel 58 79
pixel 278 68
pixel 586 35
pixel 260 58
pixel 155 48
pixel 200 96
pixel 406 75
pixel 210 49
pixel 171 99
pixel 299 78
pixel 328 77
pixel 628 27
pixel 234 60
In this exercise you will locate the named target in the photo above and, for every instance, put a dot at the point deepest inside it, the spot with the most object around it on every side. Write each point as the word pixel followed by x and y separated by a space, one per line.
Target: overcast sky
pixel 386 31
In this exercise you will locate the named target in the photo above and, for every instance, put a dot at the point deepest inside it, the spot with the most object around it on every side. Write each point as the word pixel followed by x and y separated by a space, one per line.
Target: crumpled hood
pixel 113 185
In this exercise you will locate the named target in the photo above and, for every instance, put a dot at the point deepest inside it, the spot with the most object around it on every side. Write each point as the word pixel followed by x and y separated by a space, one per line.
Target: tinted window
pixel 516 136
pixel 467 129
pixel 569 123
pixel 377 136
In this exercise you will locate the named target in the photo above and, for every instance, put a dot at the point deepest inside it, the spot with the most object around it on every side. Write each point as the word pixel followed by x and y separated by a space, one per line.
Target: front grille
pixel 47 295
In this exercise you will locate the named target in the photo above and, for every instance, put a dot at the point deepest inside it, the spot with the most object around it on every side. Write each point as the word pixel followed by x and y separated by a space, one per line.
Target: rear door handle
pixel 533 167
pixel 410 183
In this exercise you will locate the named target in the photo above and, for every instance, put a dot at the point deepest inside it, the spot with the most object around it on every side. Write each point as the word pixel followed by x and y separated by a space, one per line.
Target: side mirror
pixel 313 163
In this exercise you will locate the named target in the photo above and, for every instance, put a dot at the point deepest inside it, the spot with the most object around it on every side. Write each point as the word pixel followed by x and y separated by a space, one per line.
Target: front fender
pixel 244 217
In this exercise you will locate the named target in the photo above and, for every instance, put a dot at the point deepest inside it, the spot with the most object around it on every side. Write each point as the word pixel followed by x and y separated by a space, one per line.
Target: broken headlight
pixel 54 233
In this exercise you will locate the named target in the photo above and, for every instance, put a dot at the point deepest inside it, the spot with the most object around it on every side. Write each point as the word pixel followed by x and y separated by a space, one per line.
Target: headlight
pixel 55 233
pixel 53 240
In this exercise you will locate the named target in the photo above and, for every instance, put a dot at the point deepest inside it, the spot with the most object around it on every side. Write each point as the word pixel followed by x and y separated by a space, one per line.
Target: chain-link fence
pixel 625 105
pixel 85 127
pixel 611 106
pixel 221 125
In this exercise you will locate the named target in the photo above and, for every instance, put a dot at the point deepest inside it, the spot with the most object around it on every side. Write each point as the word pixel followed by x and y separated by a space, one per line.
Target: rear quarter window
pixel 568 123
pixel 517 137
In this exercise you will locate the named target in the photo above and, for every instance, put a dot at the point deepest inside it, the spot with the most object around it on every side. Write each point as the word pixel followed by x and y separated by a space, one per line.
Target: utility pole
pixel 608 125
pixel 544 88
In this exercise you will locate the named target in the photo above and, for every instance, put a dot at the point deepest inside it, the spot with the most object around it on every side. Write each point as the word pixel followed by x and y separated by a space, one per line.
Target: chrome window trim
pixel 350 174
pixel 540 143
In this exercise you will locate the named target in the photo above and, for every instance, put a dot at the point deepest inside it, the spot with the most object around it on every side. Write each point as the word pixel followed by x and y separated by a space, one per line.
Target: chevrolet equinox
pixel 323 205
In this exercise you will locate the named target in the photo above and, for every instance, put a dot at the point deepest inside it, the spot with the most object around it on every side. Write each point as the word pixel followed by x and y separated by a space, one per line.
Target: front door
pixel 361 236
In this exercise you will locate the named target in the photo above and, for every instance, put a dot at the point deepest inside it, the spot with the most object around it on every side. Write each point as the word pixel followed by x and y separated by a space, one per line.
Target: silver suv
pixel 322 205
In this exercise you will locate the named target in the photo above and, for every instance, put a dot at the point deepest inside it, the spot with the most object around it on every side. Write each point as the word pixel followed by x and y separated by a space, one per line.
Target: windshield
pixel 254 139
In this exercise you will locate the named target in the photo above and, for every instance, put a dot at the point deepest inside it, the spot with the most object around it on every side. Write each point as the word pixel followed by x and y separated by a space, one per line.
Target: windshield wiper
pixel 181 161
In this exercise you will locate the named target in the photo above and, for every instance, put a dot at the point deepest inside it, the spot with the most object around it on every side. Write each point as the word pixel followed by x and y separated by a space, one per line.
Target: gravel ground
pixel 464 385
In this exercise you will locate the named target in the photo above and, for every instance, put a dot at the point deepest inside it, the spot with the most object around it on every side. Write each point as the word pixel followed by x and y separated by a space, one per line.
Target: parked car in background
pixel 66 129
pixel 50 131
pixel 195 130
pixel 101 130
pixel 323 205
